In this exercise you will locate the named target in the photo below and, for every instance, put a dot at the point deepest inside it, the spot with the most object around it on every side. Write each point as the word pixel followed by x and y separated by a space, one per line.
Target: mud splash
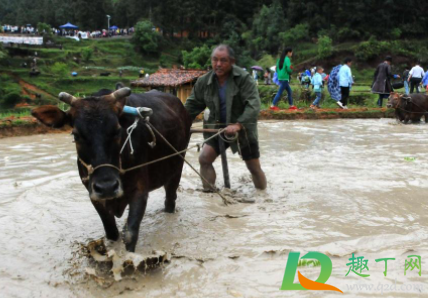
pixel 335 186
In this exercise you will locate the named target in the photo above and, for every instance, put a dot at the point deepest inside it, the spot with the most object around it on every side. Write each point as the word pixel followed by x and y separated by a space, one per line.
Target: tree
pixel 267 25
pixel 146 38
pixel 198 58
pixel 44 28
pixel 325 47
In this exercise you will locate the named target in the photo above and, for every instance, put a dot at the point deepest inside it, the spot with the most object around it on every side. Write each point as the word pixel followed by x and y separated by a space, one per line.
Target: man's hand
pixel 232 129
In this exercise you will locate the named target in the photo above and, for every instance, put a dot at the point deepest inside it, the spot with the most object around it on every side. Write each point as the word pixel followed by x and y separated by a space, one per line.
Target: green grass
pixel 16 113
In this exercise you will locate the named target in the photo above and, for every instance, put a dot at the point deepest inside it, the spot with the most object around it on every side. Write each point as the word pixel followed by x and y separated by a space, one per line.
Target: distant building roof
pixel 169 78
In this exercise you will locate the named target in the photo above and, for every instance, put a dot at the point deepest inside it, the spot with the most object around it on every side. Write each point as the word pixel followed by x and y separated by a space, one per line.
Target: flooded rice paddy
pixel 339 187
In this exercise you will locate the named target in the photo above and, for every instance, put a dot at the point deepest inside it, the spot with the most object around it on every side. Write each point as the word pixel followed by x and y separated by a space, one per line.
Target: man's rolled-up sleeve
pixel 251 100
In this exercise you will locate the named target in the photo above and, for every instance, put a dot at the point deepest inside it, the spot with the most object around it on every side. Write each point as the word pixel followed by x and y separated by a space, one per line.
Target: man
pixel 415 77
pixel 345 82
pixel 405 78
pixel 382 80
pixel 232 98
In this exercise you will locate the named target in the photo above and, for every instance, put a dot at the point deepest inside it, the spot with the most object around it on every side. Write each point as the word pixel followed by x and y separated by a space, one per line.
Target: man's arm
pixel 250 94
pixel 195 103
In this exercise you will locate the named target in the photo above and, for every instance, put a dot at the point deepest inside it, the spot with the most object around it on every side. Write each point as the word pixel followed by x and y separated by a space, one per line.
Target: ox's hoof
pixel 169 207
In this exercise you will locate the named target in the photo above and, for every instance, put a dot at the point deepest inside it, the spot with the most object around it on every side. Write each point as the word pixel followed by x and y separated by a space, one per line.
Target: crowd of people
pixel 340 81
pixel 19 29
pixel 28 29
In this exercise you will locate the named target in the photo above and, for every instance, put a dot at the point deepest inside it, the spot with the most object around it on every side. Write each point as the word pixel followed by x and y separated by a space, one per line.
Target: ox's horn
pixel 67 98
pixel 121 93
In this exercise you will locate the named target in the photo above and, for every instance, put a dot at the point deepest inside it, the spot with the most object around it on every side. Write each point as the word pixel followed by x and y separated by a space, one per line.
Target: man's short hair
pixel 388 58
pixel 226 47
pixel 347 60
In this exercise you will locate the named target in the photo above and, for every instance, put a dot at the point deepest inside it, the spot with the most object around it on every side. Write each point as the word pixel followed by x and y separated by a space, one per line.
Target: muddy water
pixel 338 187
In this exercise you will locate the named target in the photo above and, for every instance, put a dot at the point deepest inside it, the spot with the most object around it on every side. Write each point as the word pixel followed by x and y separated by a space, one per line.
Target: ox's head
pixel 395 100
pixel 97 134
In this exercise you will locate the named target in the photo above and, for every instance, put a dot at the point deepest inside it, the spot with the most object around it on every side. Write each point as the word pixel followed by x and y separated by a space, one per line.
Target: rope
pixel 129 131
pixel 225 201
pixel 90 169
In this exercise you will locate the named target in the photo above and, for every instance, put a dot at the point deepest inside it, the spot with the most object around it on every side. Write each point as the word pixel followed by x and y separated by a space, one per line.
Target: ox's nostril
pixel 97 188
pixel 115 186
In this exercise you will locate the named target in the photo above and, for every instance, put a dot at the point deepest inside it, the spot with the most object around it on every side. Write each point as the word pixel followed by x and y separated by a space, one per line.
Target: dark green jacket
pixel 242 103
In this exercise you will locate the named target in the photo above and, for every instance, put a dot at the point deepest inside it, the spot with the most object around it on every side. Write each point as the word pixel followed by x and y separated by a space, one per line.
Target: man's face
pixel 221 62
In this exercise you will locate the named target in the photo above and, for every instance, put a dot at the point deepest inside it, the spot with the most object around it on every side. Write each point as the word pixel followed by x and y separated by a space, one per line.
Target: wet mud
pixel 339 187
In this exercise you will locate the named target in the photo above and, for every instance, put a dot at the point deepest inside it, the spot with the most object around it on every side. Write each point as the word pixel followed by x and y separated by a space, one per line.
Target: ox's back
pixel 171 119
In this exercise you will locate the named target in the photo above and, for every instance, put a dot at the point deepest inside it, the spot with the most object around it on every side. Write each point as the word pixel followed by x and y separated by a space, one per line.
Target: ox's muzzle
pixel 106 188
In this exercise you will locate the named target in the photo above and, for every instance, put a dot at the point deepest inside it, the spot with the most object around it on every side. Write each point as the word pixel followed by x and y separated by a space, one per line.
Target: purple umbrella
pixel 256 67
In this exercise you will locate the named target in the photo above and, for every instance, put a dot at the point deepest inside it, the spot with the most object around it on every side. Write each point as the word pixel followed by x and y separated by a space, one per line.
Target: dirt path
pixel 31 90
pixel 28 89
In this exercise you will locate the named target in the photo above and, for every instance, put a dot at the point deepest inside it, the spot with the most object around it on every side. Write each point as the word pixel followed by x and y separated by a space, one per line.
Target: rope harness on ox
pixel 409 100
pixel 144 115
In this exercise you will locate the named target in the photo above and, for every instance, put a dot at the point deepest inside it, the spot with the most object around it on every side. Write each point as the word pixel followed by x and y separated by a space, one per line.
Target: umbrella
pixel 28 25
pixel 114 28
pixel 68 26
pixel 256 67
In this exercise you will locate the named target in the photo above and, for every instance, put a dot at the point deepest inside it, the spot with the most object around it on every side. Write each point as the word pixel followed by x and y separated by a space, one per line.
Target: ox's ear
pixel 50 116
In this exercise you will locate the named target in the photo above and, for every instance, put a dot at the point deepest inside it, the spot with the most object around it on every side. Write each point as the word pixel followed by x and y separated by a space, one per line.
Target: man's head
pixel 388 59
pixel 348 61
pixel 320 69
pixel 222 60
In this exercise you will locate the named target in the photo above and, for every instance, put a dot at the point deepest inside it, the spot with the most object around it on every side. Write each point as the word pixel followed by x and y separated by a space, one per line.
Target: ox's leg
pixel 137 208
pixel 171 193
pixel 109 222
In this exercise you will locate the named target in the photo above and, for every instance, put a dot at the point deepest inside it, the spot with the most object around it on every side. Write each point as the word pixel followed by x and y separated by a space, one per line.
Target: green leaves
pixel 146 38
pixel 325 47
pixel 198 58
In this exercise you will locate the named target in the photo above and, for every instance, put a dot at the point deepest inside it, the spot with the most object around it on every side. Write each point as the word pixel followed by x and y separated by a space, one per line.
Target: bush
pixel 10 100
pixel 146 38
pixel 266 61
pixel 198 58
pixel 60 69
pixel 325 47
pixel 299 32
pixel 395 33
pixel 44 29
pixel 86 54
pixel 372 48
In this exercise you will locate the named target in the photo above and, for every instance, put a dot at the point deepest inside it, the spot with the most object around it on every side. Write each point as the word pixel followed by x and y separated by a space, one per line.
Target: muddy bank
pixel 27 128
pixel 321 114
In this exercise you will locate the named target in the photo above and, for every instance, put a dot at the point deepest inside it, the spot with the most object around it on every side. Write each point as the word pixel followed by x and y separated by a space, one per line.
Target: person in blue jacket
pixel 317 82
pixel 345 81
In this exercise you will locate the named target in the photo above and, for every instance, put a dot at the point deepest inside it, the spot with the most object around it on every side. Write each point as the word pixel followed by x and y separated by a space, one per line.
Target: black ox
pixel 99 129
pixel 409 108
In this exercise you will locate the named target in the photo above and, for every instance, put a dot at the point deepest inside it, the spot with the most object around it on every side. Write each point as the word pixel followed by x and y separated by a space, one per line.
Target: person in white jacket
pixel 415 77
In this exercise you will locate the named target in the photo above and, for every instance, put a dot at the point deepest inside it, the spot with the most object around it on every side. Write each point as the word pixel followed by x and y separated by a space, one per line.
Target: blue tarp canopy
pixel 114 28
pixel 68 26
